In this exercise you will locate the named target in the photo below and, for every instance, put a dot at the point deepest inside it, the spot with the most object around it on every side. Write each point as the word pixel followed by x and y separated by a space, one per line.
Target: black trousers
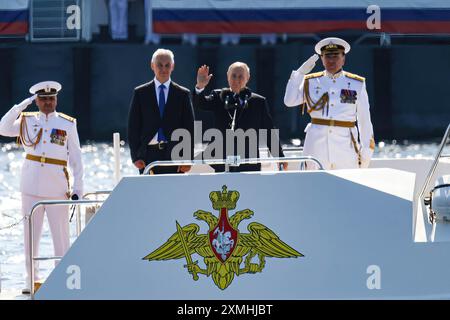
pixel 241 168
pixel 154 153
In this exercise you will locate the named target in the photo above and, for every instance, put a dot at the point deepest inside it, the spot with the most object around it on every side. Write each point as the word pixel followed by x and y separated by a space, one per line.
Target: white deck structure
pixel 358 230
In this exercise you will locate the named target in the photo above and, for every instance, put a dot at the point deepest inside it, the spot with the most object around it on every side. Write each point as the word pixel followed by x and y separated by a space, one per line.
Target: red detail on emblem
pixel 223 237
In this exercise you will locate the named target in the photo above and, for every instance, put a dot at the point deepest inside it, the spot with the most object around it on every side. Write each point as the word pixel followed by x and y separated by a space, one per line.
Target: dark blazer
pixel 144 119
pixel 251 115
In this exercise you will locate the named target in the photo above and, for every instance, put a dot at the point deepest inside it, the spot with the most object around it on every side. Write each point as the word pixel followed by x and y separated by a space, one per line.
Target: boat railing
pixel 430 174
pixel 31 232
pixel 88 196
pixel 231 161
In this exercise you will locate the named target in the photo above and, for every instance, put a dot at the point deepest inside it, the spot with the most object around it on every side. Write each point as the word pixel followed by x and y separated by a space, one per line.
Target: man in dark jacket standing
pixel 236 108
pixel 157 109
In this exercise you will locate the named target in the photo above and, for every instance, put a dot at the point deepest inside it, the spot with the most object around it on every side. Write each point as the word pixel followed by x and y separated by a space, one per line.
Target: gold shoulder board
pixel 29 114
pixel 65 116
pixel 314 75
pixel 354 76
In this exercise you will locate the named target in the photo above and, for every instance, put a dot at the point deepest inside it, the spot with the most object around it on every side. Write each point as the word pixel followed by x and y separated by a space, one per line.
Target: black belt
pixel 159 146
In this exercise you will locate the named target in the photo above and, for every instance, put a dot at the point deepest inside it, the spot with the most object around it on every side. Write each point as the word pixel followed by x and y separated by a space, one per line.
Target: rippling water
pixel 98 163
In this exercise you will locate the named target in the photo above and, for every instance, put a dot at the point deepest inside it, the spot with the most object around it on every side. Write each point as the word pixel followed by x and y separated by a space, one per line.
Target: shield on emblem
pixel 223 237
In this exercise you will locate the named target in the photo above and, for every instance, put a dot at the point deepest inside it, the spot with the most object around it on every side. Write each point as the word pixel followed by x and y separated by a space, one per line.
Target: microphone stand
pixel 235 109
pixel 74 197
pixel 228 107
pixel 234 120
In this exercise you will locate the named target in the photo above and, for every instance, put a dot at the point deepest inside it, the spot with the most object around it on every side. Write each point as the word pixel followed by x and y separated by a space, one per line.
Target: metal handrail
pixel 31 233
pixel 86 197
pixel 227 162
pixel 96 193
pixel 435 163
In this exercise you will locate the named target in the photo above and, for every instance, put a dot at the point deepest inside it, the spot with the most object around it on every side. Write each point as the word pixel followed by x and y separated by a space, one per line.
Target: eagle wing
pixel 206 216
pixel 264 241
pixel 173 249
pixel 236 218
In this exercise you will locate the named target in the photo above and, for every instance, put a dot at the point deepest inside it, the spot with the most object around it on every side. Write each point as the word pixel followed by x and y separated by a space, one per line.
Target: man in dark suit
pixel 237 108
pixel 157 109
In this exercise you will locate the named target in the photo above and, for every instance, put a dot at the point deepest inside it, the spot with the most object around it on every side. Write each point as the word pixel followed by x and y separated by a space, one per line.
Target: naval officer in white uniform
pixel 50 140
pixel 340 134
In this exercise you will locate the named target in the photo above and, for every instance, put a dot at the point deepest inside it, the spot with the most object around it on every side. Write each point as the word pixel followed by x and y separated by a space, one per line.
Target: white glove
pixel 25 103
pixel 308 65
pixel 366 155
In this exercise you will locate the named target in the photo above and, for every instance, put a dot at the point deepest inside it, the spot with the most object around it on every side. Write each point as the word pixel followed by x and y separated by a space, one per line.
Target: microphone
pixel 245 94
pixel 227 99
pixel 245 101
pixel 73 197
pixel 231 102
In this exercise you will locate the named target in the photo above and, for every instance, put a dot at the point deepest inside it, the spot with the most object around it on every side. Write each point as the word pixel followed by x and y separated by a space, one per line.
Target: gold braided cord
pixel 355 146
pixel 66 174
pixel 372 143
pixel 24 136
pixel 321 104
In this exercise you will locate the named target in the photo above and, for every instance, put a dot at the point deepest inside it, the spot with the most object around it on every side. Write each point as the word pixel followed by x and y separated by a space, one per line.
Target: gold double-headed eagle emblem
pixel 223 248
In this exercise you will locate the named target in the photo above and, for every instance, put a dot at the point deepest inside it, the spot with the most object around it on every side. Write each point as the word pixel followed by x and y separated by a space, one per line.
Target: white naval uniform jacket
pixel 59 141
pixel 332 145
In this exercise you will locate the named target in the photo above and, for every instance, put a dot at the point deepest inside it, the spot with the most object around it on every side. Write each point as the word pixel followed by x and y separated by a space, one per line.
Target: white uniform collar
pixel 334 76
pixel 166 84
pixel 48 116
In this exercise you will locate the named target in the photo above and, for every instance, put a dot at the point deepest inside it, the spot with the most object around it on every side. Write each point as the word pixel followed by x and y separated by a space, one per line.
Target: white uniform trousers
pixel 332 146
pixel 58 219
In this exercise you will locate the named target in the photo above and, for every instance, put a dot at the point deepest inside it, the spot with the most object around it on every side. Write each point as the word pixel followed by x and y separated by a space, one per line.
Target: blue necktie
pixel 161 105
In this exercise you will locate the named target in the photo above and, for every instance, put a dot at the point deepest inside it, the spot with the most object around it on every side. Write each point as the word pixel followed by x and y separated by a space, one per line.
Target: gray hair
pixel 163 52
pixel 239 64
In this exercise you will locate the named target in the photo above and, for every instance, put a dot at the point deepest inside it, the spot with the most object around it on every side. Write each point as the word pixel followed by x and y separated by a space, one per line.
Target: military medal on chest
pixel 58 136
pixel 348 96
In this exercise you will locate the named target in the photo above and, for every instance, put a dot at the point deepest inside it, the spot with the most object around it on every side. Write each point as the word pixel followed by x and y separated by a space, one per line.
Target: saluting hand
pixel 25 103
pixel 203 77
pixel 309 64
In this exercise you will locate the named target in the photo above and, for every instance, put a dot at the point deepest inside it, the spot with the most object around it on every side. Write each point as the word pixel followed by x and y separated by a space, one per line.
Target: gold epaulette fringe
pixel 29 114
pixel 65 116
pixel 314 75
pixel 354 76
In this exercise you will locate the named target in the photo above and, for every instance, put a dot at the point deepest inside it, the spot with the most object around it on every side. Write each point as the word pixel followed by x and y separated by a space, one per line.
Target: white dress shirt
pixel 166 94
